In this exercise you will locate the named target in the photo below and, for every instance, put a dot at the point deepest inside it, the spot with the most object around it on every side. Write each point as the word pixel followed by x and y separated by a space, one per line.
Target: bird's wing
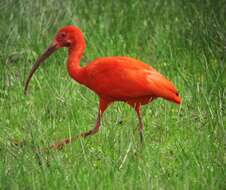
pixel 159 86
pixel 123 77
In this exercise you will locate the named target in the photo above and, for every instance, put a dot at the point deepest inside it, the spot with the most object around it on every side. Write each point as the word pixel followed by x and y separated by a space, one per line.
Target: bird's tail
pixel 171 92
pixel 174 97
pixel 165 88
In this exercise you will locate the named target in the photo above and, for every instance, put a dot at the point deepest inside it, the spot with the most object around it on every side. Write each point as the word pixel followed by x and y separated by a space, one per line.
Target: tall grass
pixel 184 146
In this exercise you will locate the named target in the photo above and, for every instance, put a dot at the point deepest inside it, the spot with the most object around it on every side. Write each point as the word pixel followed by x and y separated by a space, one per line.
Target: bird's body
pixel 126 79
pixel 111 78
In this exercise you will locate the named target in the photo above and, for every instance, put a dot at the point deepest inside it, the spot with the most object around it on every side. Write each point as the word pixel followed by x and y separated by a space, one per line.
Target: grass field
pixel 185 146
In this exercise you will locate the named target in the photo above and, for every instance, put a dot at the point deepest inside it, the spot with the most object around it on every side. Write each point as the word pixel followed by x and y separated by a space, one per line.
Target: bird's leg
pixel 95 129
pixel 103 104
pixel 141 124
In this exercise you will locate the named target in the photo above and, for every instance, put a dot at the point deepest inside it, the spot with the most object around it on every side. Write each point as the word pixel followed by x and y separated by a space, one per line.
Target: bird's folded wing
pixel 128 78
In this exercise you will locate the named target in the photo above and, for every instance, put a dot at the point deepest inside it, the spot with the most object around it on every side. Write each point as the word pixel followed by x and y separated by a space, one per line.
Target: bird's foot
pixel 60 145
pixel 18 143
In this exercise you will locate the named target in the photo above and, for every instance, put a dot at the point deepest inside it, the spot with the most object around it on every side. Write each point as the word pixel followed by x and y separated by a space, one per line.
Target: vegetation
pixel 185 146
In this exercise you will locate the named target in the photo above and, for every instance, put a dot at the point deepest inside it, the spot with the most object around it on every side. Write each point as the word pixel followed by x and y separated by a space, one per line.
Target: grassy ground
pixel 185 146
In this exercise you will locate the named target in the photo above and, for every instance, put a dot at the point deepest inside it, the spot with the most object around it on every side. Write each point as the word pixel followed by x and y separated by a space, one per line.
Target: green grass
pixel 185 146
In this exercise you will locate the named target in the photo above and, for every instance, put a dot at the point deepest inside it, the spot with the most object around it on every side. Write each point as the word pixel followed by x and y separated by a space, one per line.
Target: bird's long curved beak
pixel 50 50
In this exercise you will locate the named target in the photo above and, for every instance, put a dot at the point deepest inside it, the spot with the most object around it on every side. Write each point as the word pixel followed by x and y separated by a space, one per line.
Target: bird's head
pixel 68 36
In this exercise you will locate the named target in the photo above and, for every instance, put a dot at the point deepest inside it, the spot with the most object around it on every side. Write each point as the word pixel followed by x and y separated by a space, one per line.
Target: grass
pixel 185 146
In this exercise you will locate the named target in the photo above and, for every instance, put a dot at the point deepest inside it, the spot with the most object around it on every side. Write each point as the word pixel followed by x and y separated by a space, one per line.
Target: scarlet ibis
pixel 117 78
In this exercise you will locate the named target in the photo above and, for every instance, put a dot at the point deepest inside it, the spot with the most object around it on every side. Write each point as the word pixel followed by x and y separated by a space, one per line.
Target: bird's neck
pixel 75 53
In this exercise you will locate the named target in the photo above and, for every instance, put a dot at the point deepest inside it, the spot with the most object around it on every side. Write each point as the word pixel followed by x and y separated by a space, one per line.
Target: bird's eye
pixel 63 35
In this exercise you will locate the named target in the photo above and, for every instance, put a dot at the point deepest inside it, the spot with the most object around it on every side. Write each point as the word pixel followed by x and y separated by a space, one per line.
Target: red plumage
pixel 111 78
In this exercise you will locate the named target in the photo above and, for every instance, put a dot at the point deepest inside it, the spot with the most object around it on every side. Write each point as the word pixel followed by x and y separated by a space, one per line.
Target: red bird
pixel 111 78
